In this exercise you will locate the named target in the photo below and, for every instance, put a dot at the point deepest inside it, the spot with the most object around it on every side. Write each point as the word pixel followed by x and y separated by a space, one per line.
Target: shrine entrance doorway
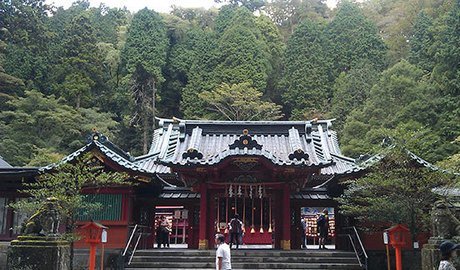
pixel 255 206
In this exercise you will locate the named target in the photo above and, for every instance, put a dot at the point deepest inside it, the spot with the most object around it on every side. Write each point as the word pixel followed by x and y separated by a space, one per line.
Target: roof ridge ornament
pixel 245 141
pixel 96 136
pixel 194 144
pixel 296 147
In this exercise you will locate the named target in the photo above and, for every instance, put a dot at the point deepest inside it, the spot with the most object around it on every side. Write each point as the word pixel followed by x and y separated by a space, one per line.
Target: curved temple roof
pixel 284 143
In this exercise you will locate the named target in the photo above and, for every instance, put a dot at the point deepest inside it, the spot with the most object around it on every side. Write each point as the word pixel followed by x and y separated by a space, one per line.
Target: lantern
pixel 398 235
pixel 92 232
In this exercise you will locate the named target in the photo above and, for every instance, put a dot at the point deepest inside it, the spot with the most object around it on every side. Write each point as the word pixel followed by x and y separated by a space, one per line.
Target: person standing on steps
pixel 304 224
pixel 322 222
pixel 165 229
pixel 235 229
pixel 223 257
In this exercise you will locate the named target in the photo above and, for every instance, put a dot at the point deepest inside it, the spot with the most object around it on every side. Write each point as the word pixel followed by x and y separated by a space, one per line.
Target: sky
pixel 157 5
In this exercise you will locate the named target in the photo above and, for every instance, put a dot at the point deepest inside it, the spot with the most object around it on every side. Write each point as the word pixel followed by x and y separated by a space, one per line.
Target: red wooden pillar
pixel 286 219
pixel 203 239
pixel 92 256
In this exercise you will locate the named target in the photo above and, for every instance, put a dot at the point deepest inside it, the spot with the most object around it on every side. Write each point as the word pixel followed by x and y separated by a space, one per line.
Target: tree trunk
pixel 145 139
pixel 78 101
pixel 154 92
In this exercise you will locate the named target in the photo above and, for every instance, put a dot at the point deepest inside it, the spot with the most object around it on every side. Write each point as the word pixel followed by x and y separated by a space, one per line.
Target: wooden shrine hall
pixel 200 173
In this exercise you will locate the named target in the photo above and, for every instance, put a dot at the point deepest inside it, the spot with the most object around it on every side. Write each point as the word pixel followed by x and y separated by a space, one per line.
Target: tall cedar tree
pixel 23 24
pixel 200 45
pixel 276 47
pixel 353 38
pixel 145 57
pixel 306 77
pixel 79 75
pixel 421 43
pixel 243 55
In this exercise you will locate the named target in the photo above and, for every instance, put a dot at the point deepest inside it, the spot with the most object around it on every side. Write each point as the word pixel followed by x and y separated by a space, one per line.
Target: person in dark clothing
pixel 322 223
pixel 235 229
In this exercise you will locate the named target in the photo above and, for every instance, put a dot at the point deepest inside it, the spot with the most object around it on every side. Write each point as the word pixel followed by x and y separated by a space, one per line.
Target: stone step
pixel 211 265
pixel 168 259
pixel 235 253
pixel 253 259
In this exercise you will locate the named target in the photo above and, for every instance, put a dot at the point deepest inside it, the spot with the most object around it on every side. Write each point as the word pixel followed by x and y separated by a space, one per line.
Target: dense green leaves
pixel 313 61
pixel 352 39
pixel 145 55
pixel 239 102
pixel 396 190
pixel 36 123
pixel 305 80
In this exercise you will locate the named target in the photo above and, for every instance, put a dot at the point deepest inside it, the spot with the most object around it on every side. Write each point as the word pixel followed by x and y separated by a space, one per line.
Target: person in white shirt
pixel 447 249
pixel 223 259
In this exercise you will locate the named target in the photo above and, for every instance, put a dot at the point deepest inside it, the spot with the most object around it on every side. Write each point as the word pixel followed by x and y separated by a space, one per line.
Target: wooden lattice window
pixel 110 210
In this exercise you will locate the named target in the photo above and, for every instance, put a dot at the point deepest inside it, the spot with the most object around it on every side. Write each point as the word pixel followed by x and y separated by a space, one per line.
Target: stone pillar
pixel 286 218
pixel 38 253
pixel 203 237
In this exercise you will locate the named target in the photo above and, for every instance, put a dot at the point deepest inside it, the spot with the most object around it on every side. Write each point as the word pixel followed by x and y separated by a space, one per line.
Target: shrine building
pixel 200 173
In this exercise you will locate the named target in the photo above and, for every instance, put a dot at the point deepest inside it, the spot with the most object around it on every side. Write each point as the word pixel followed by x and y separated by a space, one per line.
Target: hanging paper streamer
pixel 230 191
pixel 236 205
pixel 239 191
pixel 218 216
pixel 270 230
pixel 244 211
pixel 261 215
pixel 252 209
pixel 226 215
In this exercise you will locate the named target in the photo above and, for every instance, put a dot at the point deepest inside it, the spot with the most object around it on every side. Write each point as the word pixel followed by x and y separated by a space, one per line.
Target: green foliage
pixel 37 122
pixel 396 190
pixel 402 98
pixel 146 44
pixel 198 76
pixel 306 72
pixel 23 26
pixel 251 5
pixel 242 55
pixel 352 38
pixel 135 66
pixel 287 14
pixel 271 36
pixel 239 102
pixel 145 55
pixel 421 42
pixel 351 90
pixel 446 72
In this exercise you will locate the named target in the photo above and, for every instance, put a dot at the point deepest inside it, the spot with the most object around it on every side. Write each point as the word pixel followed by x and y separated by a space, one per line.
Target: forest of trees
pixel 380 68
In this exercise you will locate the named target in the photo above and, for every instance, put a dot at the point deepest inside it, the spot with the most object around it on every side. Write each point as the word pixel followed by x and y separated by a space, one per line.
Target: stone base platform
pixel 38 253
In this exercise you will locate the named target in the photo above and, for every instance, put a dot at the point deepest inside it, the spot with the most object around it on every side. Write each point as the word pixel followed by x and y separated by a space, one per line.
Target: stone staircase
pixel 167 259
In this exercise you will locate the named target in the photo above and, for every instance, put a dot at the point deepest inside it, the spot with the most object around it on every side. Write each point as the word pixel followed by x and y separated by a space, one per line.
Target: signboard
pixel 385 238
pixel 177 214
pixel 104 236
